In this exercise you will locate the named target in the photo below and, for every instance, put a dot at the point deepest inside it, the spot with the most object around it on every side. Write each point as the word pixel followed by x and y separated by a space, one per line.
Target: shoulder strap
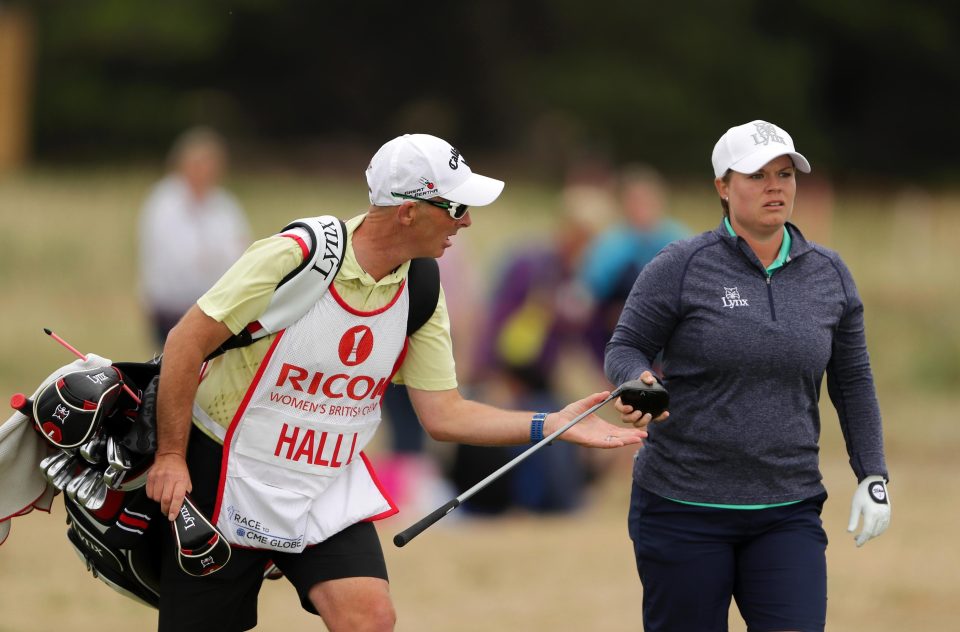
pixel 302 288
pixel 290 301
pixel 326 237
pixel 424 283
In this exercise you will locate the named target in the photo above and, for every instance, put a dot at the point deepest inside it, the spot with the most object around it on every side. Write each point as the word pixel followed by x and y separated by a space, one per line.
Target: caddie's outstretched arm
pixel 447 416
pixel 194 338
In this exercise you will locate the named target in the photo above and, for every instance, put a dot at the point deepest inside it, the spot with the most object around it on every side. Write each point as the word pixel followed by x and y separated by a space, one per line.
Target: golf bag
pixel 104 440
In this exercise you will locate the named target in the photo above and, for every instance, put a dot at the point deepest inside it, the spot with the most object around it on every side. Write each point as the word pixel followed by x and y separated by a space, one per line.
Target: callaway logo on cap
pixel 746 148
pixel 424 166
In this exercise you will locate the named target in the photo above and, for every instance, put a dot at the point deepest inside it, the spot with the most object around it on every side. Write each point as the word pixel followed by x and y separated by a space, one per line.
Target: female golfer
pixel 727 492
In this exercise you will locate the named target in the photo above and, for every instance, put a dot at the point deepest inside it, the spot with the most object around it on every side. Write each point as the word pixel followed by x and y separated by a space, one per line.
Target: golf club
pixel 93 450
pixel 93 493
pixel 74 485
pixel 117 455
pixel 59 466
pixel 77 353
pixel 402 538
pixel 48 461
pixel 113 477
pixel 65 474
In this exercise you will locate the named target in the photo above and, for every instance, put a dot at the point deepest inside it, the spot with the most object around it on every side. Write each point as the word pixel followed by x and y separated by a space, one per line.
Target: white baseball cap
pixel 424 166
pixel 745 148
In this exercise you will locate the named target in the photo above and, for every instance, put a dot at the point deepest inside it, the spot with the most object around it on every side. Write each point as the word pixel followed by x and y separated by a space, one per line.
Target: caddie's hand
pixel 168 481
pixel 873 503
pixel 591 431
pixel 637 418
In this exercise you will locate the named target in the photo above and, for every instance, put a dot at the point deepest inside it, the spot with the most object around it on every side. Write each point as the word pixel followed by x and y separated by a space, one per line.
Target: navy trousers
pixel 692 560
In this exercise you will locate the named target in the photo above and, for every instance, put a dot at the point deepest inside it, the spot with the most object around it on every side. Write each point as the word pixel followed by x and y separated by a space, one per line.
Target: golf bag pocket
pixel 134 572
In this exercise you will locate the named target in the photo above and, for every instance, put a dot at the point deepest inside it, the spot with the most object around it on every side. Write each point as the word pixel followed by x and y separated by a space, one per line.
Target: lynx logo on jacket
pixel 731 298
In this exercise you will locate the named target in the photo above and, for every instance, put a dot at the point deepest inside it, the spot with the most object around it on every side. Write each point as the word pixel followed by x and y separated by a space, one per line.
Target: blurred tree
pixel 16 62
pixel 861 84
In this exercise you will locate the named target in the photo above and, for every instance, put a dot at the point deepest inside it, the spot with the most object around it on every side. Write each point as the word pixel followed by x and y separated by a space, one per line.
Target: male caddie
pixel 269 441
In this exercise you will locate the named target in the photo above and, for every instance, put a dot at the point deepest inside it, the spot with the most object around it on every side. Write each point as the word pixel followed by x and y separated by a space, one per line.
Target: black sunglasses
pixel 456 209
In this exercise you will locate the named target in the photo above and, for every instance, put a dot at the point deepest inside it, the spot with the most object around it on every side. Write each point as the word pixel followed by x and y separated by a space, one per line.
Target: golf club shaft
pixel 419 527
pixel 77 353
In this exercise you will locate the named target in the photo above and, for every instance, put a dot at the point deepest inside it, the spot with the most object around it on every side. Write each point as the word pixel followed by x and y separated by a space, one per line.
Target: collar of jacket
pixel 798 246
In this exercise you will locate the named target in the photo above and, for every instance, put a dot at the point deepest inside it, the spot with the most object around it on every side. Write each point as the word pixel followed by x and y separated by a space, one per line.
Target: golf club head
pixel 649 398
pixel 85 490
pixel 63 477
pixel 113 477
pixel 48 461
pixel 93 495
pixel 74 485
pixel 94 450
pixel 134 479
pixel 117 455
pixel 58 467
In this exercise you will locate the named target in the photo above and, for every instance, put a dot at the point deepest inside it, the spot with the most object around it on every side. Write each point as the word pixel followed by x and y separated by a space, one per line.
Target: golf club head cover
pixel 69 410
pixel 201 549
pixel 649 398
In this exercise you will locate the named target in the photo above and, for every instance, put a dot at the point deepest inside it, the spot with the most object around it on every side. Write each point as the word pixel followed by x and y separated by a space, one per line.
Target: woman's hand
pixel 637 418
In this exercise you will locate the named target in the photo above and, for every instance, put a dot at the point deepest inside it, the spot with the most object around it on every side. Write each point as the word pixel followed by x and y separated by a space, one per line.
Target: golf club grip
pixel 417 528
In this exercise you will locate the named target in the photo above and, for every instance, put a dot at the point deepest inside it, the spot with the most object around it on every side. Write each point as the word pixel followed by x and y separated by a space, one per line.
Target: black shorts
pixel 227 599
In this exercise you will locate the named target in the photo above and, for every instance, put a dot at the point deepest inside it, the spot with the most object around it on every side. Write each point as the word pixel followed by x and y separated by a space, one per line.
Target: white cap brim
pixel 477 190
pixel 756 160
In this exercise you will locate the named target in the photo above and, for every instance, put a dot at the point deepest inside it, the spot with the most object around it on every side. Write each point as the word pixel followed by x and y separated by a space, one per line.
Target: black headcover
pixel 69 410
pixel 201 549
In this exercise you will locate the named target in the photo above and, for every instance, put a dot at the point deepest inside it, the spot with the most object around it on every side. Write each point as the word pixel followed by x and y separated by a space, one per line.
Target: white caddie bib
pixel 294 473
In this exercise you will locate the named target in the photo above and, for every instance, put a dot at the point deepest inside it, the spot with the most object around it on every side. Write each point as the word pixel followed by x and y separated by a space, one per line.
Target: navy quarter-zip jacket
pixel 744 355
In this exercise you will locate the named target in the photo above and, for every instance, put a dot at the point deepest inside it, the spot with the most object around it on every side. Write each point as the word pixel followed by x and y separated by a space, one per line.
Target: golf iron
pixel 631 391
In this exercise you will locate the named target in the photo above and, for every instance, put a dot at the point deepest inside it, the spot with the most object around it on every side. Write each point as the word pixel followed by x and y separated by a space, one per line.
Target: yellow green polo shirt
pixel 243 293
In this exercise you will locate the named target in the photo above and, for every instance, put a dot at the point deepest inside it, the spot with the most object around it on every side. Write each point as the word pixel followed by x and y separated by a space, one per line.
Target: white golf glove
pixel 872 501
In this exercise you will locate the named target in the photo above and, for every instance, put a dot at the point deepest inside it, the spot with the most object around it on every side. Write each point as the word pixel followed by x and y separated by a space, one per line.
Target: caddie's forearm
pixel 446 416
pixel 173 418
pixel 480 424
pixel 178 387
pixel 189 343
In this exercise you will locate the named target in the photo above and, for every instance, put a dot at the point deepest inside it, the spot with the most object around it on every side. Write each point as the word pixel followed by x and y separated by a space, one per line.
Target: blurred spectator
pixel 191 230
pixel 535 312
pixel 615 258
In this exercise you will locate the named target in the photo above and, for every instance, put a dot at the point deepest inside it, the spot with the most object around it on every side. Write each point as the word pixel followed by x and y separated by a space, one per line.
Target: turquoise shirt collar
pixel 782 257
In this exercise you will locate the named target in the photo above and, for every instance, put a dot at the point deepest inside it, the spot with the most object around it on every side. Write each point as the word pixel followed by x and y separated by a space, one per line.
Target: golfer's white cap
pixel 745 148
pixel 424 166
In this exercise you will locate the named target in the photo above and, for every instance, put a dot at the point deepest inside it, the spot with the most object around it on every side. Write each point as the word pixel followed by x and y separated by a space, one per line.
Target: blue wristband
pixel 536 427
